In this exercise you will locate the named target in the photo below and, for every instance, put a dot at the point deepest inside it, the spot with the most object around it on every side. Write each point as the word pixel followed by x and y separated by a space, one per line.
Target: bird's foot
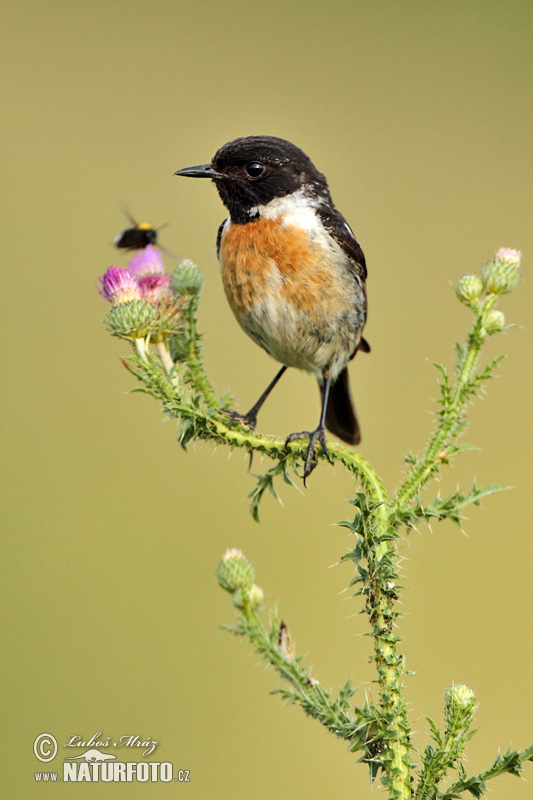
pixel 318 435
pixel 249 419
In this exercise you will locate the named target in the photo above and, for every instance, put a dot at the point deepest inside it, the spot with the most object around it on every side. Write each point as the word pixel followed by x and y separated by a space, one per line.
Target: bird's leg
pixel 250 418
pixel 318 435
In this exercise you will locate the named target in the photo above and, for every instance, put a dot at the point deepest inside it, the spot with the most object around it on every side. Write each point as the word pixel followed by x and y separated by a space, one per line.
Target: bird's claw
pixel 318 435
pixel 250 420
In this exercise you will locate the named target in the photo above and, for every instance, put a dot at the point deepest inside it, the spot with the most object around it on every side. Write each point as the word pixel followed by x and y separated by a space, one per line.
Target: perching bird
pixel 293 272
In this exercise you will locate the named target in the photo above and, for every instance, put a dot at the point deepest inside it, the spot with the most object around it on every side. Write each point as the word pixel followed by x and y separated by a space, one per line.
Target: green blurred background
pixel 419 113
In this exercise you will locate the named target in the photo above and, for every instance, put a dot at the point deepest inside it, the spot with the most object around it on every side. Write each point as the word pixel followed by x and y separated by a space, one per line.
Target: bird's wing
pixel 219 234
pixel 336 225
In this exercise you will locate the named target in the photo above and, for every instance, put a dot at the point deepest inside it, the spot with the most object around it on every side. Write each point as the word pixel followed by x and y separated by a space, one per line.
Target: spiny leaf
pixel 445 386
pixel 187 433
pixel 265 482
pixel 460 350
pixel 345 693
pixel 511 761
pixel 451 507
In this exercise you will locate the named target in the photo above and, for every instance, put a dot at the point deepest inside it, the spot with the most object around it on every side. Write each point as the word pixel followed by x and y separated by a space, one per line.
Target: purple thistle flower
pixel 146 262
pixel 119 286
pixel 154 288
pixel 509 255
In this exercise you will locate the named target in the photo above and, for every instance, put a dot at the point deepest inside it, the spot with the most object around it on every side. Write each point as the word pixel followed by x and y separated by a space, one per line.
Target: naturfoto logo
pixel 96 765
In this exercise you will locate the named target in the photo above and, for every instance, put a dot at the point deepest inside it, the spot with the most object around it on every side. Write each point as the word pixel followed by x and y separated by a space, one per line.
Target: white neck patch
pixel 297 208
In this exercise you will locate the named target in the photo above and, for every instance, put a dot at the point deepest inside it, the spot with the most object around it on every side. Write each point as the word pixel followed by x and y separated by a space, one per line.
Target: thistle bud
pixel 251 598
pixel 235 571
pixel 155 289
pixel 502 273
pixel 469 288
pixel 187 279
pixel 130 320
pixel 459 708
pixel 494 321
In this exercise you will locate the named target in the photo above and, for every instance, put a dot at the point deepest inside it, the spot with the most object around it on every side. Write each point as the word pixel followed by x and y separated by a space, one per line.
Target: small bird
pixel 293 273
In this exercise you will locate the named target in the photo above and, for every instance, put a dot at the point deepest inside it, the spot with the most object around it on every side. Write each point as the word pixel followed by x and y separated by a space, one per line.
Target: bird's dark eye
pixel 254 169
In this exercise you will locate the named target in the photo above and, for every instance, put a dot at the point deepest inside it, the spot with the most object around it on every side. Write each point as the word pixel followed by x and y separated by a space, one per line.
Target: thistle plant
pixel 157 313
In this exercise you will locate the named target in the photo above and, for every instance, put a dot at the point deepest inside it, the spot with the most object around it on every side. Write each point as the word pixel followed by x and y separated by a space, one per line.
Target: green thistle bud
pixel 502 274
pixel 459 708
pixel 168 318
pixel 187 279
pixel 494 321
pixel 235 571
pixel 252 597
pixel 130 320
pixel 469 288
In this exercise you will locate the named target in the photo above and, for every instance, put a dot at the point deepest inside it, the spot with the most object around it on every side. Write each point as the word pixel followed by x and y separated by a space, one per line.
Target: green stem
pixel 194 361
pixel 316 701
pixel 381 731
pixel 389 663
pixel 377 547
pixel 220 429
pixel 423 469
pixel 437 767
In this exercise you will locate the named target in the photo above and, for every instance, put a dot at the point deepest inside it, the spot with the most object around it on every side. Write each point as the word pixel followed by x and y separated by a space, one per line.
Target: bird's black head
pixel 251 171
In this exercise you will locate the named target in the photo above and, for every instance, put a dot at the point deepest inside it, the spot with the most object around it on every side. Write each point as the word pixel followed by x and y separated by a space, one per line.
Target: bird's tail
pixel 341 418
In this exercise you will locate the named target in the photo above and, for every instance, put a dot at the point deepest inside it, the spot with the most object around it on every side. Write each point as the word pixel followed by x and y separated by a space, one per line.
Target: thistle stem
pixel 380 591
pixel 384 732
pixel 140 346
pixel 424 468
pixel 194 361
pixel 389 666
pixel 165 356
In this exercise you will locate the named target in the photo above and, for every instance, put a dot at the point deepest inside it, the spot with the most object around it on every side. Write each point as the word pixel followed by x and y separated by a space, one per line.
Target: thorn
pixel 127 364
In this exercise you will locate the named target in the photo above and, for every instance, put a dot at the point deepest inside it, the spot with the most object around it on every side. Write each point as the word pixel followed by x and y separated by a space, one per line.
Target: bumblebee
pixel 137 237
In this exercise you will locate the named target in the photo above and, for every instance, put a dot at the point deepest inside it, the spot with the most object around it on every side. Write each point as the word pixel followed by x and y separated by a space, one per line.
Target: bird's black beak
pixel 201 171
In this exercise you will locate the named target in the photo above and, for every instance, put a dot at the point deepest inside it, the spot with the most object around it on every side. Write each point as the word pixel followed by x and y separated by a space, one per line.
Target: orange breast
pixel 266 256
pixel 293 293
